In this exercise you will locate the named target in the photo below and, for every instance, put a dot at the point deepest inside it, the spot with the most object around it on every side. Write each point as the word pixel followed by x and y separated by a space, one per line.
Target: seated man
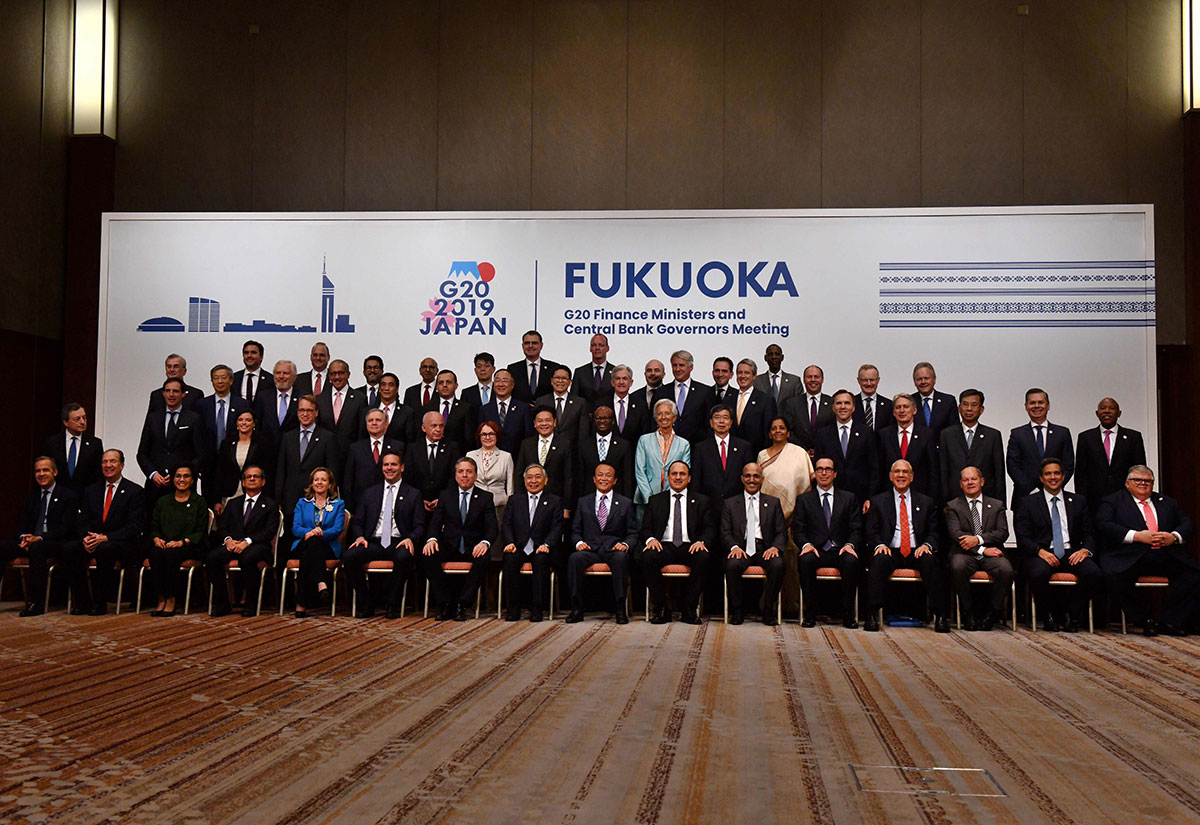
pixel 376 536
pixel 827 527
pixel 248 525
pixel 49 521
pixel 531 531
pixel 677 528
pixel 603 532
pixel 978 529
pixel 114 516
pixel 903 527
pixel 462 528
pixel 1146 534
pixel 1054 535
pixel 753 533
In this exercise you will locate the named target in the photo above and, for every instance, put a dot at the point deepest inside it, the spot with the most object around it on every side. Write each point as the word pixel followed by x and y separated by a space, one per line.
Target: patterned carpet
pixel 196 720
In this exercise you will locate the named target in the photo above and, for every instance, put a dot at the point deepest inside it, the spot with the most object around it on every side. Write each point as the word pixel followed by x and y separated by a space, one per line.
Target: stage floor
pixel 194 720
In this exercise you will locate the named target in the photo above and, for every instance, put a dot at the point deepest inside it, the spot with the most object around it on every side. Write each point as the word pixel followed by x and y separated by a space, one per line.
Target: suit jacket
pixel 449 527
pixel 365 392
pixel 520 374
pixel 881 520
pixel 414 397
pixel 62 515
pixel 701 519
pixel 845 522
pixel 620 455
pixel 126 515
pixel 858 470
pixel 262 379
pixel 191 398
pixel 560 464
pixel 333 520
pixel 986 453
pixel 1024 463
pixel 576 417
pixel 351 424
pixel 430 480
pixel 583 381
pixel 408 514
pixel 789 385
pixel 87 460
pixel 883 411
pixel 1034 530
pixel 292 471
pixel 692 422
pixel 403 426
pixel 262 528
pixel 517 425
pixel 944 411
pixel 709 477
pixel 621 526
pixel 638 420
pixel 798 415
pixel 546 527
pixel 726 395
pixel 460 426
pixel 227 474
pixel 757 415
pixel 208 417
pixel 1095 476
pixel 771 524
pixel 471 395
pixel 1119 514
pixel 304 383
pixel 992 519
pixel 360 470
pixel 649 469
pixel 266 407
pixel 922 455
pixel 159 453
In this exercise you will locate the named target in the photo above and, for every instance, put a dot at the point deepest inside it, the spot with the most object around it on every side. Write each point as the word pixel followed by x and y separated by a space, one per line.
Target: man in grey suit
pixel 971 444
pixel 978 529
pixel 781 385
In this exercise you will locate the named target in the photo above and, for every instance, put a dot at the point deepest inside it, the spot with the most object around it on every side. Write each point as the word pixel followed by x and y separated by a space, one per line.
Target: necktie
pixel 432 456
pixel 741 406
pixel 928 405
pixel 558 402
pixel 602 448
pixel 775 386
pixel 503 412
pixel 529 548
pixel 827 507
pixel 464 502
pixel 905 538
pixel 317 384
pixel 599 378
pixel 304 434
pixel 220 420
pixel 387 411
pixel 385 529
pixel 602 511
pixel 283 407
pixel 677 529
pixel 484 394
pixel 337 406
pixel 724 463
pixel 249 393
pixel 72 456
pixel 681 397
pixel 249 510
pixel 976 521
pixel 107 502
pixel 445 411
pixel 43 513
pixel 173 425
pixel 621 415
pixel 751 525
pixel 869 411
pixel 812 415
pixel 970 438
pixel 1041 442
pixel 543 448
pixel 1108 445
pixel 375 450
pixel 533 379
pixel 904 443
pixel 373 397
pixel 845 440
pixel 425 398
pixel 1059 546
pixel 1151 521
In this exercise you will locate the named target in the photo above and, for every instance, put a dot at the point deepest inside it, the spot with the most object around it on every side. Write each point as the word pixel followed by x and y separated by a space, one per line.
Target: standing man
pixel 252 377
pixel 114 515
pixel 601 443
pixel 276 410
pixel 462 528
pixel 978 529
pixel 603 532
pixel 1030 444
pixel 690 397
pixel 458 415
pixel 362 463
pixel 248 525
pixel 570 410
pixel 176 367
pixel 594 378
pixel 532 532
pixel 1105 454
pixel 402 421
pixel 871 408
pixel 74 450
pixel 342 409
pixel 171 436
pixel 531 375
pixel 677 528
pixel 316 380
pixel 754 409
pixel 910 441
pixel 633 415
pixel 430 460
pixel 49 520
pixel 717 461
pixel 550 450
pixel 809 411
pixel 724 389
pixel 480 393
pixel 218 412
pixel 971 444
pixel 302 451
pixel 935 409
pixel 852 446
pixel 372 371
pixel 775 382
pixel 654 373
pixel 827 526
pixel 753 533
pixel 424 391
pixel 514 416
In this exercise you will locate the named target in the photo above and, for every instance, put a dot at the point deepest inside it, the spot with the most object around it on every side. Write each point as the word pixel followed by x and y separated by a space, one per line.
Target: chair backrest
pixel 275 540
pixel 345 531
pixel 212 519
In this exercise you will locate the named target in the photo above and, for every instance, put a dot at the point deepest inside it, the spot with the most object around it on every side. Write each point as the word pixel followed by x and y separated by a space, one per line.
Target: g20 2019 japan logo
pixel 464 304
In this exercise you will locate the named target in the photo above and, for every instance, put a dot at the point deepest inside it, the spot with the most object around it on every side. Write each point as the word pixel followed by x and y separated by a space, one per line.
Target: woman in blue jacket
pixel 317 525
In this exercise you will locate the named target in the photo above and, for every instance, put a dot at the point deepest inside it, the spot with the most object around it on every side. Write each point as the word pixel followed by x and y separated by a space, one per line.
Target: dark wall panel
pixel 580 50
pixel 772 104
pixel 485 91
pixel 675 104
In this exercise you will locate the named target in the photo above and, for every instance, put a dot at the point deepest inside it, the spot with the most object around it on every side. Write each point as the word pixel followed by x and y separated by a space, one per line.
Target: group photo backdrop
pixel 1001 299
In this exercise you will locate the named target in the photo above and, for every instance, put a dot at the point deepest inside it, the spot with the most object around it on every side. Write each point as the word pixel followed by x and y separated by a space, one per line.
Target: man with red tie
pixel 362 459
pixel 911 441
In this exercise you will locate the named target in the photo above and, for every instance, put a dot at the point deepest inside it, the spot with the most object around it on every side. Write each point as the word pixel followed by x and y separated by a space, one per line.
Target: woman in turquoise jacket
pixel 317 526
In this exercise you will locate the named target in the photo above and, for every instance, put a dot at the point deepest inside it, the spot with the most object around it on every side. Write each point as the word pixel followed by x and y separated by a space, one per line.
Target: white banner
pixel 1001 299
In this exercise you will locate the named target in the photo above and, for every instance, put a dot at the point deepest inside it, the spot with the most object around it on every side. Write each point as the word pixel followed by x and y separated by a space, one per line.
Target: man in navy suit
pixel 571 411
pixel 971 444
pixel 717 461
pixel 171 436
pixel 1146 534
pixel 252 377
pixel 871 408
pixel 810 410
pixel 424 391
pixel 276 407
pixel 632 414
pixel 852 446
pixel 693 412
pixel 753 534
pixel 462 529
pixel 316 380
pixel 754 410
pixel 594 378
pixel 1030 443
pixel 514 416
pixel 372 371
pixel 248 525
pixel 531 531
pixel 1054 535
pixel 902 532
pixel 76 452
pixel 481 391
pixel 678 528
pixel 534 366
pixel 363 461
pixel 218 412
pixel 554 451
pixel 49 520
pixel 936 410
pixel 601 443
pixel 914 443
pixel 176 367
pixel 403 422
pixel 376 537
pixel 827 525
pixel 603 532
pixel 1104 455
pixel 302 451
pixel 342 410
pixel 458 414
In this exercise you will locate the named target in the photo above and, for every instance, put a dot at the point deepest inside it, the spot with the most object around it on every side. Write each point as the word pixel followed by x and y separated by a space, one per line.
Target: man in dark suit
pixel 827 525
pixel 601 443
pixel 775 382
pixel 808 411
pixel 971 444
pixel 342 410
pixel 429 461
pixel 1146 534
pixel 1054 535
pixel 176 367
pixel 425 390
pixel 252 377
pixel 936 410
pixel 633 416
pixel 551 450
pixel 514 417
pixel 753 534
pixel 654 373
pixel 301 452
pixel 249 524
pixel 462 529
pixel 692 422
pixel 678 527
pixel 1030 443
pixel 595 377
pixel 316 380
pixel 171 436
pixel 872 409
pixel 276 408
pixel 372 371
pixel 218 412
pixel 978 529
pixel 114 516
pixel 362 463
pixel 902 532
pixel 532 366
pixel 852 446
pixel 458 414
pixel 571 411
pixel 603 532
pixel 49 520
pixel 717 461
pixel 754 409
pixel 375 537
pixel 531 532
pixel 480 393
pixel 911 441
pixel 1104 455
pixel 76 452
pixel 403 422
pixel 724 388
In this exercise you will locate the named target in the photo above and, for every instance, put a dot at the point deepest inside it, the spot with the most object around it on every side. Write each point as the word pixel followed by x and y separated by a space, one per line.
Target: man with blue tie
pixel 74 450
pixel 827 525
pixel 594 378
pixel 276 409
pixel 372 371
pixel 690 397
pixel 171 436
pixel 481 392
pixel 462 529
pixel 603 532
pixel 853 447
pixel 778 384
pixel 49 519
pixel 531 531
pixel 218 412
pixel 935 410
pixel 1030 444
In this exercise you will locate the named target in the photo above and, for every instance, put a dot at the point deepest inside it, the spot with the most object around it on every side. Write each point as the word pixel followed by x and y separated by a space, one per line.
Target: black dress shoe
pixel 660 616
pixel 447 612
pixel 1150 628
pixel 512 616
pixel 98 609
pixel 871 625
pixel 690 617
pixel 809 621
pixel 157 612
pixel 167 613
pixel 1051 624
pixel 736 617
pixel 301 614
pixel 220 610
pixel 988 622
pixel 621 617
pixel 248 614
pixel 574 616
pixel 78 611
pixel 1171 630
pixel 1070 626
pixel 970 624
pixel 365 613
pixel 850 624
pixel 460 615
pixel 942 625
pixel 769 619
pixel 535 615
pixel 394 613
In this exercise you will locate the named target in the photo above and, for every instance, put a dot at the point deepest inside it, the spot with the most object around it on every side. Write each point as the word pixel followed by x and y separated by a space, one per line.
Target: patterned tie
pixel 677 529
pixel 621 415
pixel 905 538
pixel 464 504
pixel 1041 442
pixel 543 448
pixel 337 406
pixel 1108 445
pixel 503 412
pixel 484 394
pixel 304 435
pixel 43 513
pixel 869 411
pixel 976 521
pixel 72 456
pixel 724 463
pixel 970 438
pixel 373 397
pixel 928 405
pixel 107 502
pixel 845 441
pixel 385 530
pixel 220 420
pixel 602 512
pixel 602 447
pixel 751 525
pixel 904 443
pixel 375 450
pixel 317 385
pixel 1059 546
pixel 558 403
pixel 812 415
pixel 1148 514
pixel 283 407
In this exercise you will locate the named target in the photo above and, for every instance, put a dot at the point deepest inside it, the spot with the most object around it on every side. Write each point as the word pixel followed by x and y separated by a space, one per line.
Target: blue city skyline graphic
pixel 204 315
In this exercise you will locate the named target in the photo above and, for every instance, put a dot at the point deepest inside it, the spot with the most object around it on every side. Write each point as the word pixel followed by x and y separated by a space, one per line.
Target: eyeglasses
pixel 1142 480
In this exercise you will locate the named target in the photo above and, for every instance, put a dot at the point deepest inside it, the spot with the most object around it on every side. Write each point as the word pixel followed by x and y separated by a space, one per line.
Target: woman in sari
pixel 787 473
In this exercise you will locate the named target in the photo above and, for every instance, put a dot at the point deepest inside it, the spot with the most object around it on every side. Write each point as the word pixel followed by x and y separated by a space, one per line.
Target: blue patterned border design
pixel 997 307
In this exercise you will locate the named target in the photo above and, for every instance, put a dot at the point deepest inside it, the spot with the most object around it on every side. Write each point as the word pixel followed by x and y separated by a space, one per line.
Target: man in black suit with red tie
pixel 936 410
pixel 810 410
pixel 603 532
pixel 462 529
pixel 693 411
pixel 315 381
pixel 594 378
pixel 827 525
pixel 425 390
pixel 1030 443
pixel 532 366
pixel 1104 454
pixel 403 422
pixel 248 525
pixel 914 443
pixel 678 528
pixel 458 414
pixel 362 464
pixel 753 534
pixel 532 531
pixel 902 532
pixel 429 461
pixel 632 414
pixel 872 409
pixel 514 416
pixel 1147 534
pixel 717 461
pixel 1054 535
pixel 74 451
pixel 49 520
pixel 971 444
pixel 252 377
pixel 852 446
pixel 173 435
pixel 753 409
pixel 601 443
